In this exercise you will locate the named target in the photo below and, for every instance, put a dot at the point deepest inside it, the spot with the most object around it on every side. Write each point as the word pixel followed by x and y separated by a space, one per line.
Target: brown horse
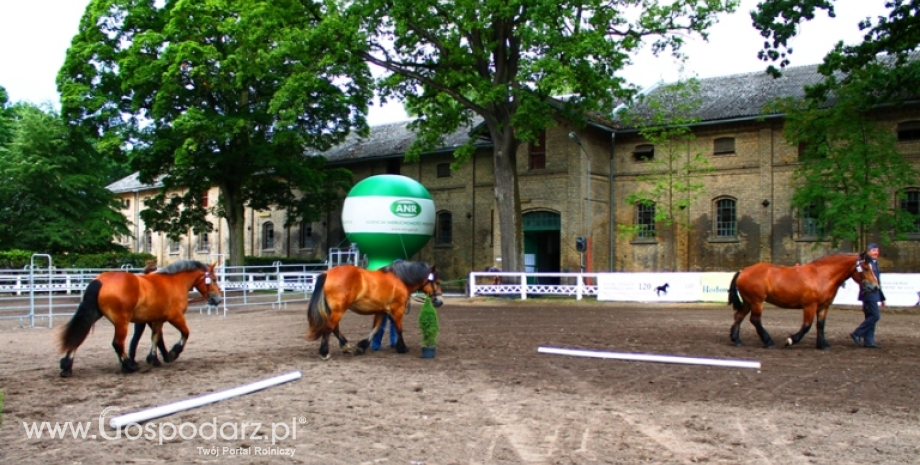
pixel 811 287
pixel 380 292
pixel 152 299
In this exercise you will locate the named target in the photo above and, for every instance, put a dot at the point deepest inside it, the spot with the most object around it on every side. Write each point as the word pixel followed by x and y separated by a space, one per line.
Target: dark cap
pixel 872 245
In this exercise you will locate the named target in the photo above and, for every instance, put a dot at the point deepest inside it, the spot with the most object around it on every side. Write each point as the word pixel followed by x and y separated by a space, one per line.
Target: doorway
pixel 541 245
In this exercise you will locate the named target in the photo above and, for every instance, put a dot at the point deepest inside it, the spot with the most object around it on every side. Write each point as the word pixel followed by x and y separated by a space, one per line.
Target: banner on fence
pixel 649 287
pixel 901 290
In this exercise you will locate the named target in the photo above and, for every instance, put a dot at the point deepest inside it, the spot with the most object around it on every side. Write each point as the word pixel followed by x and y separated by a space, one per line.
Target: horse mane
pixel 183 265
pixel 833 257
pixel 409 273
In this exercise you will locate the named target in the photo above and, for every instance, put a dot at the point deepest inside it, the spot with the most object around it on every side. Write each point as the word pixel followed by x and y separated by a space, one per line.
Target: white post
pixel 651 358
pixel 169 409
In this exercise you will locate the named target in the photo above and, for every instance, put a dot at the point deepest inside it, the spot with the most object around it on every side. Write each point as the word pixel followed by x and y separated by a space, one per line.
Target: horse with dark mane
pixel 811 287
pixel 125 298
pixel 380 292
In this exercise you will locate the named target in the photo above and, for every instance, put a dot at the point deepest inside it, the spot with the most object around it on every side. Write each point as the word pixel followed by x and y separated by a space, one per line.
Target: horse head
pixel 864 275
pixel 432 287
pixel 207 286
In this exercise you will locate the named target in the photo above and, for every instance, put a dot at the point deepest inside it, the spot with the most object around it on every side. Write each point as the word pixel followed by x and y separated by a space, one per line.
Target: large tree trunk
pixel 508 198
pixel 234 214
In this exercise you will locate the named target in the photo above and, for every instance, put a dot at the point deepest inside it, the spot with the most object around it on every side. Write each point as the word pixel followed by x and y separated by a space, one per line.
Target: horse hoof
pixel 789 341
pixel 324 357
pixel 66 373
pixel 358 351
pixel 736 343
pixel 151 360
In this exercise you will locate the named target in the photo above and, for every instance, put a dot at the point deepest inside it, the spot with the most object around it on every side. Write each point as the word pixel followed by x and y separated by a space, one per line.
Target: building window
pixel 645 219
pixel 444 228
pixel 909 130
pixel 204 244
pixel 810 224
pixel 726 218
pixel 538 152
pixel 268 236
pixel 173 247
pixel 443 170
pixel 306 236
pixel 644 152
pixel 394 165
pixel 148 241
pixel 204 200
pixel 723 146
pixel 126 203
pixel 910 203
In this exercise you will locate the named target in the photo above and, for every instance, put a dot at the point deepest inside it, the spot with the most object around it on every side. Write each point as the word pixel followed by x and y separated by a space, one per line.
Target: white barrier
pixel 169 409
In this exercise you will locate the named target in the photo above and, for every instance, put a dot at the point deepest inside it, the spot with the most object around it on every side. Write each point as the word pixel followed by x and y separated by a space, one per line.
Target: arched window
pixel 305 238
pixel 443 233
pixel 811 226
pixel 910 204
pixel 645 219
pixel 726 220
pixel 723 146
pixel 148 241
pixel 204 243
pixel 644 152
pixel 909 130
pixel 268 235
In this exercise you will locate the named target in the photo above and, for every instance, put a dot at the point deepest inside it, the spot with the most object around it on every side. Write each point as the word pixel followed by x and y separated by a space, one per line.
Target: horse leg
pixel 397 323
pixel 179 323
pixel 756 312
pixel 736 326
pixel 822 342
pixel 118 343
pixel 156 339
pixel 324 346
pixel 808 315
pixel 363 344
pixel 343 343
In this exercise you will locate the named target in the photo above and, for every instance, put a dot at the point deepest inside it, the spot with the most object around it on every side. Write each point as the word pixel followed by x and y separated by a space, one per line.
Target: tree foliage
pixel 232 93
pixel 675 174
pixel 52 188
pixel 503 61
pixel 850 168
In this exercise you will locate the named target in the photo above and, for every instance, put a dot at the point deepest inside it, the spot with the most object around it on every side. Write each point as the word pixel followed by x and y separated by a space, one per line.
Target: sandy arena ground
pixel 489 397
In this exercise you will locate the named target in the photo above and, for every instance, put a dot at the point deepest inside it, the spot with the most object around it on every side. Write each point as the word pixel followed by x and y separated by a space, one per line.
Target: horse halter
pixel 435 288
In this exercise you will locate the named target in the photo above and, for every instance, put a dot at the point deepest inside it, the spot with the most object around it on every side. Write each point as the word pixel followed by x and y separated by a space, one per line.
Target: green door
pixel 541 245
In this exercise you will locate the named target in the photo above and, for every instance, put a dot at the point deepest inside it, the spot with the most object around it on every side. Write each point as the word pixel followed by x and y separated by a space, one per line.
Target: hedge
pixel 19 259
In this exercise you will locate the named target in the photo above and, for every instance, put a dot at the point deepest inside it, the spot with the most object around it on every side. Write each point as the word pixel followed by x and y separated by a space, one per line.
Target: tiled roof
pixel 390 140
pixel 131 183
pixel 742 95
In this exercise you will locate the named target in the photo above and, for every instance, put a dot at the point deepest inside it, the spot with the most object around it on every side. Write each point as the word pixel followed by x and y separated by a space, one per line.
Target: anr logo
pixel 405 208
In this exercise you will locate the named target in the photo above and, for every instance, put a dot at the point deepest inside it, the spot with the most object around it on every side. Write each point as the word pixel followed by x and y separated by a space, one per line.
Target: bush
pixel 19 259
pixel 428 323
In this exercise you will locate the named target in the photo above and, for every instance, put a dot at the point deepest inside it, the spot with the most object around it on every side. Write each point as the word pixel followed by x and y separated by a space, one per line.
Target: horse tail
pixel 87 315
pixel 317 309
pixel 733 297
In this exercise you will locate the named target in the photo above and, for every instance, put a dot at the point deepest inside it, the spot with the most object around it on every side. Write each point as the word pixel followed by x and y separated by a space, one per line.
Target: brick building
pixel 574 183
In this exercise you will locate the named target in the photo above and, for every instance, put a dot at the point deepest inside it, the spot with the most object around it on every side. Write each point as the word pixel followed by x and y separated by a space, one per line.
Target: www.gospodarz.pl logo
pixel 163 431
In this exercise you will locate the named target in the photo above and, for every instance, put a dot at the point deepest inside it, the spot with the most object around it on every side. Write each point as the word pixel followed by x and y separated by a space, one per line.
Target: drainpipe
pixel 611 215
pixel 137 221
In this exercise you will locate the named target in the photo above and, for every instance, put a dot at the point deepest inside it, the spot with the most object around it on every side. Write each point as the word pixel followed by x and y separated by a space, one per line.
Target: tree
pixel 504 60
pixel 232 93
pixel 850 166
pixel 52 198
pixel 6 119
pixel 664 118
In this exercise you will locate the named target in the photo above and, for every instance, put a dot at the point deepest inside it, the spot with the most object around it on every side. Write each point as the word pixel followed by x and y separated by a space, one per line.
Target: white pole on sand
pixel 168 409
pixel 651 358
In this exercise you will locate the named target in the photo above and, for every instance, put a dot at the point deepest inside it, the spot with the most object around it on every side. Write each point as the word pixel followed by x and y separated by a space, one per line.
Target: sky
pixel 35 35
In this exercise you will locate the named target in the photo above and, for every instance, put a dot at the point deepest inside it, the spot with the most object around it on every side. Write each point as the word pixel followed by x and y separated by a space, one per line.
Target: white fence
pixel 901 289
pixel 39 294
